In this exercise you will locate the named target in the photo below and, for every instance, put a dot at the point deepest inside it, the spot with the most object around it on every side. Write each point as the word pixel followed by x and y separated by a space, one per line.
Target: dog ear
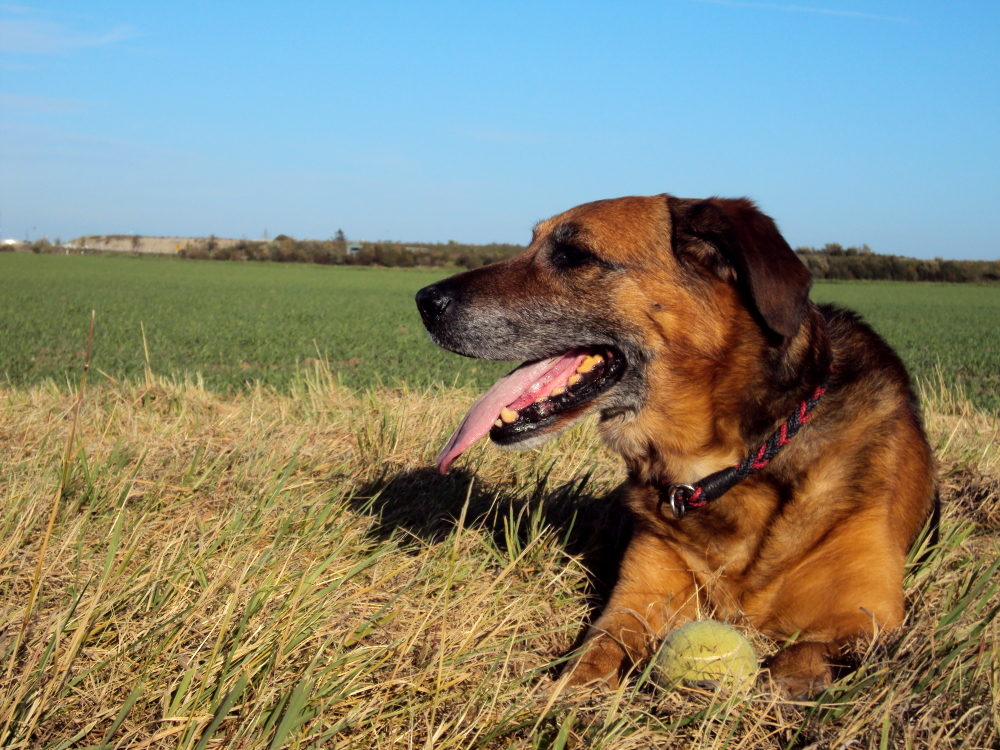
pixel 775 280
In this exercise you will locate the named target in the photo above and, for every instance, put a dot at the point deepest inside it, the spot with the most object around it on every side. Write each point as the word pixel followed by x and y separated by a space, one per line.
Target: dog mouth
pixel 535 398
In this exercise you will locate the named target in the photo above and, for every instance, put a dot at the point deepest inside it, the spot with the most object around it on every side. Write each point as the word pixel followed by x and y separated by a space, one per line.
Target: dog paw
pixel 802 671
pixel 592 669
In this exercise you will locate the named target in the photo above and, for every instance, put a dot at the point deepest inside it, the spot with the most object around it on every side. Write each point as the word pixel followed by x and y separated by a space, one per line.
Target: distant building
pixel 353 248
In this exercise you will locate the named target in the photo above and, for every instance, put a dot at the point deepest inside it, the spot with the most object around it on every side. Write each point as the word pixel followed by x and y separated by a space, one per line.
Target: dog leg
pixel 655 593
pixel 805 669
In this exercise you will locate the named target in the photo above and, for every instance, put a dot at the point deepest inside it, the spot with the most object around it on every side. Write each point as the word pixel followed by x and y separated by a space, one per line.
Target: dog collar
pixel 685 497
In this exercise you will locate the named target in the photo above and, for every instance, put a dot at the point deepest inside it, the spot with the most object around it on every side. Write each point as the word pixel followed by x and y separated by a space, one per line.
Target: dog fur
pixel 708 308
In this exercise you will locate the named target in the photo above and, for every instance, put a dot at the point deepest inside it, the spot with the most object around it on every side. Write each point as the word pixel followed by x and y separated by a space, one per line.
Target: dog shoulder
pixel 861 356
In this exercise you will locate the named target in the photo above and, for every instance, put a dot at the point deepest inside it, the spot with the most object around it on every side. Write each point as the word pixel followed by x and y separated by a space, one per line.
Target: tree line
pixel 836 262
pixel 285 249
pixel 832 261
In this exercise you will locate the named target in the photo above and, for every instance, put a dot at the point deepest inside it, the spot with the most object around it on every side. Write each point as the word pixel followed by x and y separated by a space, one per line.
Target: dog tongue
pixel 520 387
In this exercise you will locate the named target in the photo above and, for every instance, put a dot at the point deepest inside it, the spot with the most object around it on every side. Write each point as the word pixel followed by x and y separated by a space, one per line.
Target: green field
pixel 237 323
pixel 951 328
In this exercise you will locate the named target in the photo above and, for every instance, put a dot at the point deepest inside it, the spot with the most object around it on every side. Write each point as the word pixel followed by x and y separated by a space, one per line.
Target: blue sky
pixel 848 121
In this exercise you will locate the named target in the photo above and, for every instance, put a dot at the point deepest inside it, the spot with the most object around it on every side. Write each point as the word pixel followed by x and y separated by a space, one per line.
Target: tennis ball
pixel 705 651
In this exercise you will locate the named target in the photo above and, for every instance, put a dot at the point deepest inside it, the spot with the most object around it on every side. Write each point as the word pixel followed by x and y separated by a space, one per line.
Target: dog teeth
pixel 558 391
pixel 589 363
pixel 498 423
pixel 508 415
pixel 573 380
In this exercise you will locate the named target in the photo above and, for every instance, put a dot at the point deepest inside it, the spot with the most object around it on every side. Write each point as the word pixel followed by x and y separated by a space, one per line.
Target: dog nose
pixel 431 302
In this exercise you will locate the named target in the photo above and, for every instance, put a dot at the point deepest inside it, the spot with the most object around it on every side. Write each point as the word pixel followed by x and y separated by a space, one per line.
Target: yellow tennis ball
pixel 705 651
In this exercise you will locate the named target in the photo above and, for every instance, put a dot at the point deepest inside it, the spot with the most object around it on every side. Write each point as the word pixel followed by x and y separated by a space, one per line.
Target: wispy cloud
pixel 20 36
pixel 47 105
pixel 808 9
pixel 25 147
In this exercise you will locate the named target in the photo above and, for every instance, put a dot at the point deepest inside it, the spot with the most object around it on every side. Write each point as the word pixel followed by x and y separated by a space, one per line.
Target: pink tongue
pixel 516 390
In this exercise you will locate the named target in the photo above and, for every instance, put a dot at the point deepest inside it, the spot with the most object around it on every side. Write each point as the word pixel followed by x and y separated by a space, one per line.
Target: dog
pixel 778 471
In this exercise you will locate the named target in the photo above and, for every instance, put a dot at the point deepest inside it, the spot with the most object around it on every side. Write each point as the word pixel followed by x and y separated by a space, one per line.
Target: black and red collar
pixel 684 497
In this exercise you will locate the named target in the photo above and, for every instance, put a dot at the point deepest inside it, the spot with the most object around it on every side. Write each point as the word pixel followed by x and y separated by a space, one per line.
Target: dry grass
pixel 287 571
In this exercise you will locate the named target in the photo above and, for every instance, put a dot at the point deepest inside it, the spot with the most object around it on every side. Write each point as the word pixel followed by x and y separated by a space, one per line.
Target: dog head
pixel 618 306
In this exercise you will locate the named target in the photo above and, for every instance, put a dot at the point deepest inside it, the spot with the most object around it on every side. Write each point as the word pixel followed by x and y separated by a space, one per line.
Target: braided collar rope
pixel 685 497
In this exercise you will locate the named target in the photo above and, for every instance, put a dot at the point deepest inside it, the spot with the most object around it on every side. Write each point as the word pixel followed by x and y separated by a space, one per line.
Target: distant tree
pixel 136 240
pixel 339 236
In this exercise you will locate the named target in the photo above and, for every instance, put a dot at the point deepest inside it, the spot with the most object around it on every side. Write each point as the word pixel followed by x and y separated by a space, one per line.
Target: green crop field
pixel 237 323
pixel 234 323
pixel 953 329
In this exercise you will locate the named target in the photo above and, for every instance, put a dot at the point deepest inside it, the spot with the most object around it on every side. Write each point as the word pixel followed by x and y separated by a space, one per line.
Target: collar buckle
pixel 677 504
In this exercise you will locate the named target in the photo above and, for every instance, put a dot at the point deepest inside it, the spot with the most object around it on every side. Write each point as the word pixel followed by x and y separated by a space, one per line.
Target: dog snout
pixel 432 301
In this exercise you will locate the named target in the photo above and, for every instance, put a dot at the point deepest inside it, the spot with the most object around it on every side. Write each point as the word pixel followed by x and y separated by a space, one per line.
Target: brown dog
pixel 687 325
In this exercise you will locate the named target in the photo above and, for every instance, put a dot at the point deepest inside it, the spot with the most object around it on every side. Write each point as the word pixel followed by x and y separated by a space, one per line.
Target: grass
pixel 236 324
pixel 274 569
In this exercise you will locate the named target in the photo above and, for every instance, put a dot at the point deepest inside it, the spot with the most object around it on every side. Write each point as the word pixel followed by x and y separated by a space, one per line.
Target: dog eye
pixel 570 256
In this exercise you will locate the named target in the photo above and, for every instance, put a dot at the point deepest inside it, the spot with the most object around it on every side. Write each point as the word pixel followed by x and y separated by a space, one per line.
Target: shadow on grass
pixel 425 504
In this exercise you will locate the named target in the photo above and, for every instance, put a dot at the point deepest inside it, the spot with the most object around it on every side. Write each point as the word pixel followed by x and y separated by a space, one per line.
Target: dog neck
pixel 711 412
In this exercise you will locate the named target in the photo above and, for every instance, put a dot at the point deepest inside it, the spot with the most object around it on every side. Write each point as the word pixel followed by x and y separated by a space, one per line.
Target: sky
pixel 850 121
